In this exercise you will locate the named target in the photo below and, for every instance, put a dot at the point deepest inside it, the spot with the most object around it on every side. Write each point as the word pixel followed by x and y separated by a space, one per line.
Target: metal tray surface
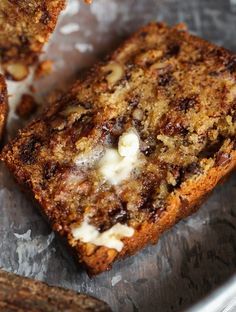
pixel 190 260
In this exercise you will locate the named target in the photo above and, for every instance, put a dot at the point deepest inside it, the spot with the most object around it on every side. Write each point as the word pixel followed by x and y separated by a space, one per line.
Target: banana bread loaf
pixel 25 26
pixel 3 105
pixel 134 147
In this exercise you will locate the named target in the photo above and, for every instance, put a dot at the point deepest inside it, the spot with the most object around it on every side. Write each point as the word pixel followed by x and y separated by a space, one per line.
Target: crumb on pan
pixel 27 106
pixel 44 68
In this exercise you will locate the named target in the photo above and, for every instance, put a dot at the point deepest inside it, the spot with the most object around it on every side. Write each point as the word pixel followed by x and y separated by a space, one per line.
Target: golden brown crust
pixel 25 26
pixel 178 92
pixel 3 105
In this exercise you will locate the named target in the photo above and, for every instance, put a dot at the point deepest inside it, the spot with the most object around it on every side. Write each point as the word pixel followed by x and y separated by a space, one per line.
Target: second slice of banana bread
pixel 25 26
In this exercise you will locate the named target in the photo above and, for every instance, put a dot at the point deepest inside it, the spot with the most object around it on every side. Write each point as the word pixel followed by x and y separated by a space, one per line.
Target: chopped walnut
pixel 15 71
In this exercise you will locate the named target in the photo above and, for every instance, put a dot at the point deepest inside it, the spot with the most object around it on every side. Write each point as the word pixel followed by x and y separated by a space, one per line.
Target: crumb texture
pixel 25 26
pixel 176 94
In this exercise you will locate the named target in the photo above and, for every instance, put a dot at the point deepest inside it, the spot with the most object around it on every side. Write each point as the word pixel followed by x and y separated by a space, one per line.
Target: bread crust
pixel 35 164
pixel 3 105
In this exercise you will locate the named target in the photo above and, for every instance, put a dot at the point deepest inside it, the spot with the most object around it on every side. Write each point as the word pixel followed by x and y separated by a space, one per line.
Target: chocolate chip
pixel 148 146
pixel 45 18
pixel 193 168
pixel 153 207
pixel 234 117
pixel 214 73
pixel 86 129
pixel 119 214
pixel 234 144
pixel 134 101
pixel 147 195
pixel 231 65
pixel 143 34
pixel 173 128
pixel 102 227
pixel 173 50
pixel 49 170
pixel 114 127
pixel 127 76
pixel 24 40
pixel 186 172
pixel 175 170
pixel 2 97
pixel 217 52
pixel 210 150
pixel 156 210
pixel 222 159
pixel 184 104
pixel 15 2
pixel 86 105
pixel 28 152
pixel 66 100
pixel 82 127
pixel 164 80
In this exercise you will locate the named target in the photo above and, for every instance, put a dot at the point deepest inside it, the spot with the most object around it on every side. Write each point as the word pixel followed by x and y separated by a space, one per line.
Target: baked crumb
pixel 32 88
pixel 44 68
pixel 27 106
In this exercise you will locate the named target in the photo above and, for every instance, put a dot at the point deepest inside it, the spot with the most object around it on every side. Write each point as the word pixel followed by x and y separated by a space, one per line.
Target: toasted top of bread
pixel 103 161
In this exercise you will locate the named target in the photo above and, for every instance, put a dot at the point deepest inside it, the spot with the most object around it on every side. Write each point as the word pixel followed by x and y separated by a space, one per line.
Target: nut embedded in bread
pixel 25 26
pixel 135 146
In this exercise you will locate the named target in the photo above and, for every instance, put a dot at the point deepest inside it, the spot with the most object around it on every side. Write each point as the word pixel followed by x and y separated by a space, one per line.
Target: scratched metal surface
pixel 194 257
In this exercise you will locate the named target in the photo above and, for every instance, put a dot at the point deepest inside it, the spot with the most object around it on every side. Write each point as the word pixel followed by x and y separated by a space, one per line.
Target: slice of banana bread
pixel 25 26
pixel 135 146
pixel 18 294
pixel 3 105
